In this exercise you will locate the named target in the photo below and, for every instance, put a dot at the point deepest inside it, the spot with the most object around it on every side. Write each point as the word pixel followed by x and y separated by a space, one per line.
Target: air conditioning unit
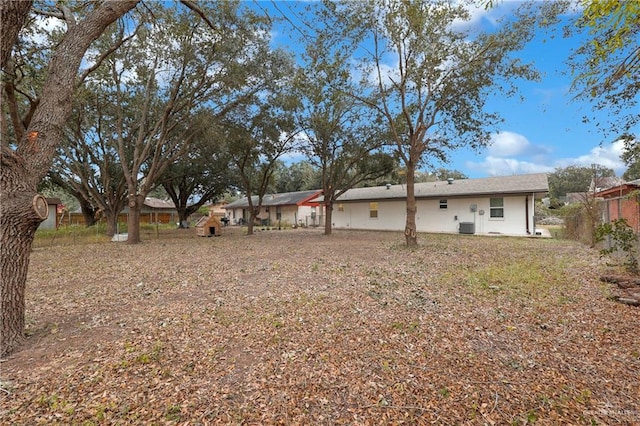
pixel 467 228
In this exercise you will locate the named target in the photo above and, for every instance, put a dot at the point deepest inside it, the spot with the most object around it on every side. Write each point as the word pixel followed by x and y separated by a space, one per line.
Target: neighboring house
pixel 604 182
pixel 494 205
pixel 51 222
pixel 290 208
pixel 156 210
pixel 622 201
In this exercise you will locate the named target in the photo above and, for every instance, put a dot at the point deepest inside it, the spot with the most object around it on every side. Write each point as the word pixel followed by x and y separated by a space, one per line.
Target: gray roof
pixel 284 199
pixel 156 203
pixel 519 184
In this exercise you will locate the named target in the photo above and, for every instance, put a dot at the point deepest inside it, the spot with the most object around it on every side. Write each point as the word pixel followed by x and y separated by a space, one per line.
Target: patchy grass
pixel 294 327
pixel 78 235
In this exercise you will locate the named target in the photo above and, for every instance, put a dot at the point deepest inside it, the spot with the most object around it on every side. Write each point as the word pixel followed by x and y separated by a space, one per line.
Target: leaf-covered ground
pixel 293 327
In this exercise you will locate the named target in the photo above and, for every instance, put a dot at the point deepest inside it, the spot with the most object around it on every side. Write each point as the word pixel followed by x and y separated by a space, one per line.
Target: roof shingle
pixel 517 184
pixel 284 199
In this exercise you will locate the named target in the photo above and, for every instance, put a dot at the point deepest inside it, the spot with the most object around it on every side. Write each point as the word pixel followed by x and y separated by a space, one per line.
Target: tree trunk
pixel 112 223
pixel 253 213
pixel 133 221
pixel 251 221
pixel 13 15
pixel 21 211
pixel 328 217
pixel 410 233
pixel 183 217
pixel 88 212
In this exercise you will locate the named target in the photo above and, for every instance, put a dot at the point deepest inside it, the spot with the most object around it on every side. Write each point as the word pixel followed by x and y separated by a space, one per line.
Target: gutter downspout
pixel 526 212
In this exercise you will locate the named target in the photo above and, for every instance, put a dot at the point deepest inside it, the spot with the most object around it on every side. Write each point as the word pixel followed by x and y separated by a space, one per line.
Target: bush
pixel 620 238
pixel 580 221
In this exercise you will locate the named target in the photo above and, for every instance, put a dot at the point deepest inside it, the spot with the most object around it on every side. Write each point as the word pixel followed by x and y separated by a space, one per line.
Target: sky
pixel 542 131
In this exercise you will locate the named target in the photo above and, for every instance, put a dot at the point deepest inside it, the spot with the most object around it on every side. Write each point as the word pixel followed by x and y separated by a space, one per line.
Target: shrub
pixel 580 221
pixel 620 238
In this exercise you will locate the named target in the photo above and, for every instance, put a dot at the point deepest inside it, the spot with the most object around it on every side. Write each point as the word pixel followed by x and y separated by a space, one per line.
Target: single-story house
pixel 155 210
pixel 51 222
pixel 493 205
pixel 622 201
pixel 289 208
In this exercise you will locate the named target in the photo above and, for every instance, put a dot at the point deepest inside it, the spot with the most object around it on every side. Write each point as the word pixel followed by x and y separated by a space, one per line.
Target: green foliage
pixel 440 174
pixel 345 137
pixel 631 156
pixel 575 179
pixel 580 220
pixel 300 176
pixel 621 238
pixel 632 172
pixel 607 66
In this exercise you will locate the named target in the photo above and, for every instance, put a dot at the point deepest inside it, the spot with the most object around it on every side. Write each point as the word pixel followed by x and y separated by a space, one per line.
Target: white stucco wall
pixel 431 218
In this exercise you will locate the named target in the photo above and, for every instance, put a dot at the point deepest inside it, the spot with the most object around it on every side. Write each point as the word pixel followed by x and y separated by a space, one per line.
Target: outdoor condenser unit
pixel 467 228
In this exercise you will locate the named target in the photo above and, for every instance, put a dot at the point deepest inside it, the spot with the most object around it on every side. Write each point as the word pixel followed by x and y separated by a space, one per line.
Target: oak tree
pixel 30 138
pixel 199 176
pixel 345 139
pixel 606 67
pixel 431 78
pixel 258 135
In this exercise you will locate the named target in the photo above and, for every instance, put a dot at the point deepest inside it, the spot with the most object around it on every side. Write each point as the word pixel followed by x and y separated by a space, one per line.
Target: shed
pixel 51 221
pixel 208 226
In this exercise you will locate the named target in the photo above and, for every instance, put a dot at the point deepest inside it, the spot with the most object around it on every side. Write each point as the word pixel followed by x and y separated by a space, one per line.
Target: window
pixel 278 213
pixel 443 204
pixel 497 207
pixel 373 210
pixel 340 207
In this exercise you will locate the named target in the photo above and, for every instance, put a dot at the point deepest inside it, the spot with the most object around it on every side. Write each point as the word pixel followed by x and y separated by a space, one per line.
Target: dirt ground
pixel 294 327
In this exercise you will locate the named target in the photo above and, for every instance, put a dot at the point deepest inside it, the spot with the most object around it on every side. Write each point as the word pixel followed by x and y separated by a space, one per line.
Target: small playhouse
pixel 208 226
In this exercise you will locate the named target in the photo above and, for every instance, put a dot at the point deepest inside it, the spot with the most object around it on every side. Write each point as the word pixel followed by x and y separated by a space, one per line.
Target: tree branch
pixel 106 54
pixel 195 8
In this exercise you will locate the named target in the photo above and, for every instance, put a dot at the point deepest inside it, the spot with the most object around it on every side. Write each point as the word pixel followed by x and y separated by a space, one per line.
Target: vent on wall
pixel 467 228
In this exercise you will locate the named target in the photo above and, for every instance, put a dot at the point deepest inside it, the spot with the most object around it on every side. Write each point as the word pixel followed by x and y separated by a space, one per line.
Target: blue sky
pixel 545 129
pixel 541 132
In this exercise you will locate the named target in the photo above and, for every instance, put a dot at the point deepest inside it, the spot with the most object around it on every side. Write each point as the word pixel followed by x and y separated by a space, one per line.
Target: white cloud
pixel 604 155
pixel 512 154
pixel 479 14
pixel 45 26
pixel 496 166
pixel 508 144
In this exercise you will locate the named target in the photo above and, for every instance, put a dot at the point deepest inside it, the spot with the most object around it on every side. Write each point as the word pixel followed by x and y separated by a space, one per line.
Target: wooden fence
pixel 77 219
